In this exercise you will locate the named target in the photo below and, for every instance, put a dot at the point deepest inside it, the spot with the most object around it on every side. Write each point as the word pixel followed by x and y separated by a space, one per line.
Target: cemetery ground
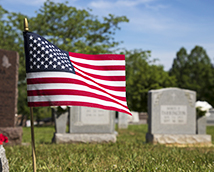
pixel 129 153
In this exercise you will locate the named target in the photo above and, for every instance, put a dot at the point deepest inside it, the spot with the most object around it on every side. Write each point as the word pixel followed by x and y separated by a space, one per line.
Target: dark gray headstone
pixel 9 62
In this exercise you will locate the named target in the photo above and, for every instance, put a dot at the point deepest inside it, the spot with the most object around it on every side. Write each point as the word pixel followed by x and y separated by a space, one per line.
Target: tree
pixel 69 28
pixel 7 35
pixel 76 30
pixel 194 72
pixel 143 75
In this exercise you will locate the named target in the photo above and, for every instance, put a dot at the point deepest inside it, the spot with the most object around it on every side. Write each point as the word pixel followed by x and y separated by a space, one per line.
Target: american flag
pixel 59 78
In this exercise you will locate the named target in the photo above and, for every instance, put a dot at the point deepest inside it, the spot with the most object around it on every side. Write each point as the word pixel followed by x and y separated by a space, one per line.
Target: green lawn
pixel 129 153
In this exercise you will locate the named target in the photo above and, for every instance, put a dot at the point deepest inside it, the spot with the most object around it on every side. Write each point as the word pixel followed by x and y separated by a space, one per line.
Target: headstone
pixel 8 87
pixel 210 117
pixel 172 117
pixel 91 120
pixel 201 125
pixel 89 125
pixel 134 118
pixel 9 61
pixel 122 120
pixel 60 121
pixel 130 118
pixel 4 166
pixel 143 116
pixel 28 124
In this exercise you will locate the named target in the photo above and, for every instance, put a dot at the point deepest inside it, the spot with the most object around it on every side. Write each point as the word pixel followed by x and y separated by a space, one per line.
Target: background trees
pixel 143 75
pixel 76 30
pixel 194 71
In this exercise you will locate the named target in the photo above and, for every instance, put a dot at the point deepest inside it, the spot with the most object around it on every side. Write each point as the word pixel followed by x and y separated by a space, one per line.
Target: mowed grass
pixel 129 153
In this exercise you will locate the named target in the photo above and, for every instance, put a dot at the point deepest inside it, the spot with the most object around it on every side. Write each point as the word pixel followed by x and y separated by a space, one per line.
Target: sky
pixel 161 26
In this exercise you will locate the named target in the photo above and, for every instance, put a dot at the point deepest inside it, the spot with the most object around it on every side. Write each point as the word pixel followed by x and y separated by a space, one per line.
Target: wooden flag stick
pixel 31 116
pixel 32 139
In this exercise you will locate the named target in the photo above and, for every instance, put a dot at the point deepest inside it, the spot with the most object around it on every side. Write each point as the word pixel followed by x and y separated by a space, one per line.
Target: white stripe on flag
pixel 98 62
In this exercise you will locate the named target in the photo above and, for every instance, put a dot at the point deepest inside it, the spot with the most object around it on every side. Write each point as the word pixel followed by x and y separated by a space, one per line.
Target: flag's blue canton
pixel 44 56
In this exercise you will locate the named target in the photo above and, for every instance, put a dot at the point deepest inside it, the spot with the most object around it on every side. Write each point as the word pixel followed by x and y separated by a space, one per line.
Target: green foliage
pixel 76 30
pixel 143 75
pixel 194 71
pixel 7 34
pixel 129 153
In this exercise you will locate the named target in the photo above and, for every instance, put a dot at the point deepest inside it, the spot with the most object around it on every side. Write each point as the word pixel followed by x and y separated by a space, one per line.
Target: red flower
pixel 3 139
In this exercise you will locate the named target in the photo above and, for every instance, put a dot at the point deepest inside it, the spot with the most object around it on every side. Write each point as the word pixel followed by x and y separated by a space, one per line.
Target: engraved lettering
pixel 173 114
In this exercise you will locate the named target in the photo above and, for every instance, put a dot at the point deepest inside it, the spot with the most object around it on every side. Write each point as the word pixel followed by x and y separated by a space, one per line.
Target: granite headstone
pixel 9 61
pixel 201 125
pixel 135 117
pixel 122 120
pixel 89 125
pixel 4 165
pixel 8 87
pixel 172 117
pixel 60 121
pixel 210 118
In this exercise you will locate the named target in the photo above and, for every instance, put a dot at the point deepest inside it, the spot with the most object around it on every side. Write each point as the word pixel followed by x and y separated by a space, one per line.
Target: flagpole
pixel 32 140
pixel 26 29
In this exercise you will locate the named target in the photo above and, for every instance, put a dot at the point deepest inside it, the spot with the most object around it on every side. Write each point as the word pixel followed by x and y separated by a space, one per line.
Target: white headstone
pixel 122 120
pixel 135 117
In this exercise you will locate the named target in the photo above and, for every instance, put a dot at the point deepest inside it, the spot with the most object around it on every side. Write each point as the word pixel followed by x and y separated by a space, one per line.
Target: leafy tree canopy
pixel 143 75
pixel 194 71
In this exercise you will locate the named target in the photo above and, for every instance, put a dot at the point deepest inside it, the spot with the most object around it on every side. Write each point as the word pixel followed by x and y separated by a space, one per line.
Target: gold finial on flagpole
pixel 26 25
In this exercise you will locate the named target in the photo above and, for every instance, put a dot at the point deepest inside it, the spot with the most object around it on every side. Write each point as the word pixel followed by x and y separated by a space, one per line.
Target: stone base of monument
pixel 84 138
pixel 14 135
pixel 179 139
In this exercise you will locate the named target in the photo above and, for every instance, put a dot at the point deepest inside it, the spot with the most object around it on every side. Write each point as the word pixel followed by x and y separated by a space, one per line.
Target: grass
pixel 129 153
